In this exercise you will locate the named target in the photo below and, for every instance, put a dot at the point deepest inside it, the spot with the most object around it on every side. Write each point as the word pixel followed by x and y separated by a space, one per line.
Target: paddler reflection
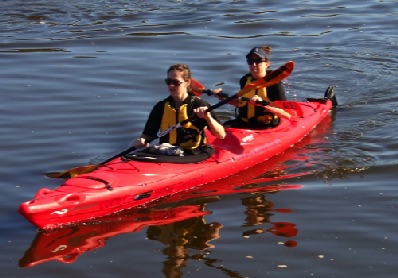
pixel 193 233
pixel 259 211
pixel 181 238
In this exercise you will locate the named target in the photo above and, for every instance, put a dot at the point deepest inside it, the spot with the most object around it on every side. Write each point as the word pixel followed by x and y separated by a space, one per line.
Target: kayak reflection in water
pixel 259 211
pixel 179 106
pixel 192 233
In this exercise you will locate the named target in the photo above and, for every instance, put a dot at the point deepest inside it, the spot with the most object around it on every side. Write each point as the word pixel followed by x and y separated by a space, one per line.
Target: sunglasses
pixel 174 82
pixel 251 61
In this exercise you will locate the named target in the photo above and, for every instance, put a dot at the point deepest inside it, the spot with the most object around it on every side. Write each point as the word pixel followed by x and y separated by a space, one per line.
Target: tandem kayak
pixel 129 181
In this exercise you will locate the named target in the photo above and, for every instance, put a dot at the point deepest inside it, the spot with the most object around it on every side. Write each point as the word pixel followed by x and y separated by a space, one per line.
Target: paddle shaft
pixel 224 95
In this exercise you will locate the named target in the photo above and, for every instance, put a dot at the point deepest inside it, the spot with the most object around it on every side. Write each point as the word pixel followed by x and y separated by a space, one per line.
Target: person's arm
pixel 271 107
pixel 277 92
pixel 234 102
pixel 214 126
pixel 278 111
pixel 152 126
pixel 141 141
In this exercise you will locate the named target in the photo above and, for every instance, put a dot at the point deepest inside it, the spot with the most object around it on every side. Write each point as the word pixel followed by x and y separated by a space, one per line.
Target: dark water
pixel 79 77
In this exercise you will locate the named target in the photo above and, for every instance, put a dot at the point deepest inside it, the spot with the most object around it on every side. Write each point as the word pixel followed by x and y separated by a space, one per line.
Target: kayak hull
pixel 123 184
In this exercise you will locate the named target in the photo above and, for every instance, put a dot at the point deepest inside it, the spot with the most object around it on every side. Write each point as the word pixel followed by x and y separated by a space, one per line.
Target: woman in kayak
pixel 180 105
pixel 249 115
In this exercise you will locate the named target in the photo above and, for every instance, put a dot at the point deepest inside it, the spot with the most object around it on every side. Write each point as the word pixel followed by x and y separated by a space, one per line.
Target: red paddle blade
pixel 272 78
pixel 197 87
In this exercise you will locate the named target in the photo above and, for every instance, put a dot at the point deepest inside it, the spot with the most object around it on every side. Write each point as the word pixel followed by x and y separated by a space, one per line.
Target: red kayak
pixel 182 211
pixel 134 180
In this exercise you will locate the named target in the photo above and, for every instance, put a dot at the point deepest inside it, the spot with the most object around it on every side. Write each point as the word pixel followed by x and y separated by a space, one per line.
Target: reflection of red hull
pixel 125 184
pixel 66 244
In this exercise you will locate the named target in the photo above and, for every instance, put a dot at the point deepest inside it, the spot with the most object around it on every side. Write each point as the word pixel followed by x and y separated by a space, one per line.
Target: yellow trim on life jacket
pixel 170 119
pixel 251 109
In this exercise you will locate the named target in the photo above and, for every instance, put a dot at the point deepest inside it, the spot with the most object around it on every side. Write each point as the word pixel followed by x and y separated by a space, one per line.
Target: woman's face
pixel 176 84
pixel 258 67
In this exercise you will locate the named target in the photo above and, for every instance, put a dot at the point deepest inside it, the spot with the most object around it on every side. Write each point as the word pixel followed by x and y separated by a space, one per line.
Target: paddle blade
pixel 286 69
pixel 197 87
pixel 73 172
pixel 272 78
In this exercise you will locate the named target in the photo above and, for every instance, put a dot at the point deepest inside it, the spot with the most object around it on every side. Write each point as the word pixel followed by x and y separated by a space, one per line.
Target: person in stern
pixel 248 113
pixel 179 106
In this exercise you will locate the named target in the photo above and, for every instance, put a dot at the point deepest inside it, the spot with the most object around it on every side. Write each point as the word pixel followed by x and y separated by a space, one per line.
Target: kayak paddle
pixel 272 78
pixel 277 111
